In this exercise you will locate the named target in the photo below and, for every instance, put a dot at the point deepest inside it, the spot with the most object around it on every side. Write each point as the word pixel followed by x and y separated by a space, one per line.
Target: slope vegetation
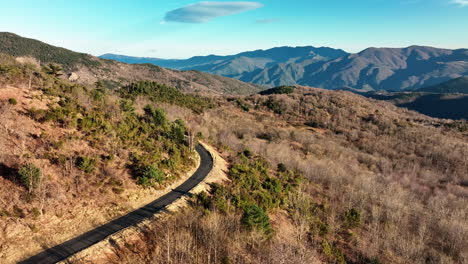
pixel 322 176
pixel 76 156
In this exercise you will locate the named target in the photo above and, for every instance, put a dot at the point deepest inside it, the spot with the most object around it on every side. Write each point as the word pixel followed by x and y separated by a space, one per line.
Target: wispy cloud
pixel 267 21
pixel 203 12
pixel 460 2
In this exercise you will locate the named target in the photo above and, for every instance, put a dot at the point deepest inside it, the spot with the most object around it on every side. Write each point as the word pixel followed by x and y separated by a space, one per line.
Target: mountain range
pixel 322 67
pixel 396 69
pixel 235 66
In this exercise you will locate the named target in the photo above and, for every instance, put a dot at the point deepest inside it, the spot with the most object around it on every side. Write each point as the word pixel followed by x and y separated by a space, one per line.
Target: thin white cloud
pixel 203 12
pixel 460 2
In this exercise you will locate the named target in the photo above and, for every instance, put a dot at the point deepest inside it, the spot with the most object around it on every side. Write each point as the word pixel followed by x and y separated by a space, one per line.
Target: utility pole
pixel 191 140
pixel 30 80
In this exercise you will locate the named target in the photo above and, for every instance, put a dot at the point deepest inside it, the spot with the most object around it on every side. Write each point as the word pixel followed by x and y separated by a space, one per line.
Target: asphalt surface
pixel 65 250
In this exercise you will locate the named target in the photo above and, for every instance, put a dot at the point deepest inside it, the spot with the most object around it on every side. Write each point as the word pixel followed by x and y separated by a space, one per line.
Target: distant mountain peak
pixel 242 64
pixel 371 69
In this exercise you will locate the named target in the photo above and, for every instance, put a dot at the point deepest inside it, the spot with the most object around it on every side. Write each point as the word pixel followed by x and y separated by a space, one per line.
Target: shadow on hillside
pixel 8 172
pixel 430 104
pixel 436 106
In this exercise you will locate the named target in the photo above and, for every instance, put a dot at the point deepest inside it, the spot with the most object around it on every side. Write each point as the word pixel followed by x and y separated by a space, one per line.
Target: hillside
pixel 342 178
pixel 458 85
pixel 242 64
pixel 372 69
pixel 17 46
pixel 74 157
pixel 316 176
pixel 86 69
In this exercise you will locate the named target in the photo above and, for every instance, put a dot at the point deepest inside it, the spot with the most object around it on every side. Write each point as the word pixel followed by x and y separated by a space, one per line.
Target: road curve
pixel 75 245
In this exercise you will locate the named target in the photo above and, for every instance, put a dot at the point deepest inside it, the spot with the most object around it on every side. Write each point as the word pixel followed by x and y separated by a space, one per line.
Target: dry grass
pixel 404 171
pixel 70 201
pixel 194 237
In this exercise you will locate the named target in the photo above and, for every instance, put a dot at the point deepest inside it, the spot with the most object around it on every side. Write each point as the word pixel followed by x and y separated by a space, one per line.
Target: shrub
pixel 177 131
pixel 149 175
pixel 279 90
pixel 322 228
pixel 163 93
pixel 127 106
pixel 314 124
pixel 352 218
pixel 4 213
pixel 98 94
pixel 30 176
pixel 282 167
pixel 245 107
pixel 268 136
pixel 203 200
pixel 273 185
pixel 118 190
pixel 18 212
pixel 85 164
pixel 53 69
pixel 219 195
pixel 247 153
pixel 35 212
pixel 274 106
pixel 326 248
pixel 12 101
pixel 155 115
pixel 255 218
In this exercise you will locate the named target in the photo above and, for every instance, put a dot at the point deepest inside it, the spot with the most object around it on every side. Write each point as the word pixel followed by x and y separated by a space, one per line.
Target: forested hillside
pixel 322 177
pixel 75 156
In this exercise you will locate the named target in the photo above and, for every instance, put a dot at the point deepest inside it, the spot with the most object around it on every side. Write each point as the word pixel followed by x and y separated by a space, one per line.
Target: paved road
pixel 67 249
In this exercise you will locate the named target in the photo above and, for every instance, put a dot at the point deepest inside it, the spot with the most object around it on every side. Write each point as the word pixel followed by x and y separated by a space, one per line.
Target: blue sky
pixel 184 28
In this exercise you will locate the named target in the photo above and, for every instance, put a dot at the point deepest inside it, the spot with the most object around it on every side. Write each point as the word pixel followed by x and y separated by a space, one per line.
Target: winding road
pixel 65 250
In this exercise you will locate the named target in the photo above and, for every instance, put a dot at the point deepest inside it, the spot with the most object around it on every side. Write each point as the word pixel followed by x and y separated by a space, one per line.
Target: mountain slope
pixel 372 69
pixel 18 46
pixel 458 85
pixel 237 66
pixel 87 69
pixel 389 69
